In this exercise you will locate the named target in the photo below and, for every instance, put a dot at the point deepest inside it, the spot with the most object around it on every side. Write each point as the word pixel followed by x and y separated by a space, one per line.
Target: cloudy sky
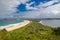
pixel 30 8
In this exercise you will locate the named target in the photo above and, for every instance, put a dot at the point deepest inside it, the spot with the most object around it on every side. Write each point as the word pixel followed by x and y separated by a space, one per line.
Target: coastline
pixel 10 25
pixel 17 26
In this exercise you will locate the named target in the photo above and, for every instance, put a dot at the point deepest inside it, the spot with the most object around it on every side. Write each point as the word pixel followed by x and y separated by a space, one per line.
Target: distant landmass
pixel 31 19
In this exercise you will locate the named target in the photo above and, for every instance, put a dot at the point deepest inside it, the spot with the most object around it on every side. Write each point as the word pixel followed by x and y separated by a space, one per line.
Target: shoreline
pixel 17 26
pixel 2 27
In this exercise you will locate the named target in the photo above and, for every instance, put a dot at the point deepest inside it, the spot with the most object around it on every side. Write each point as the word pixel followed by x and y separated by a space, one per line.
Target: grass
pixel 32 31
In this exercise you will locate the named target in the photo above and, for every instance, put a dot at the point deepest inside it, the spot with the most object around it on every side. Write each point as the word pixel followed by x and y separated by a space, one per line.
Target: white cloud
pixel 46 4
pixel 8 7
pixel 30 8
pixel 51 11
pixel 23 1
pixel 56 0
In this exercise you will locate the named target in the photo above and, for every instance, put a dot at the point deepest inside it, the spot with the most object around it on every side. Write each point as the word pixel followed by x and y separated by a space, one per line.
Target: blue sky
pixel 30 8
pixel 22 7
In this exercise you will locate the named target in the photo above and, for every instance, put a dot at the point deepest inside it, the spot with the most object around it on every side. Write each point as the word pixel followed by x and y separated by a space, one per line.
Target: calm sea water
pixel 52 23
pixel 7 22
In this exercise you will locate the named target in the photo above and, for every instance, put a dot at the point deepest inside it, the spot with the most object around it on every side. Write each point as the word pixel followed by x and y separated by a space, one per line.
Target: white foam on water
pixel 11 25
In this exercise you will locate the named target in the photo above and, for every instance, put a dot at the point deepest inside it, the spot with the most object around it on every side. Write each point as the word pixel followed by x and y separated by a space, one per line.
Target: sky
pixel 29 8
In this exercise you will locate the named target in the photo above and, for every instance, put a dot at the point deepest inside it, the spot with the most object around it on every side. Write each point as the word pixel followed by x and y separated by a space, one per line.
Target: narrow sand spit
pixel 17 26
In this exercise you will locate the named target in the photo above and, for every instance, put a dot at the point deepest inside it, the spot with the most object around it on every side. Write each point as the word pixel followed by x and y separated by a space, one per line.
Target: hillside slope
pixel 32 31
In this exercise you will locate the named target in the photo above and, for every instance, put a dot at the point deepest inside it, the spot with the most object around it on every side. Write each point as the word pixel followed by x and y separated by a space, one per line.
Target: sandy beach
pixel 17 26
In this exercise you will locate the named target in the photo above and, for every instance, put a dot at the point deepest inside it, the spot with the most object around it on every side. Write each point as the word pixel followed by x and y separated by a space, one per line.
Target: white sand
pixel 17 26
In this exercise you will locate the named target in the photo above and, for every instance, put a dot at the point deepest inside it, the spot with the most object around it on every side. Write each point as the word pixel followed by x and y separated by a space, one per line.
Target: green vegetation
pixel 32 31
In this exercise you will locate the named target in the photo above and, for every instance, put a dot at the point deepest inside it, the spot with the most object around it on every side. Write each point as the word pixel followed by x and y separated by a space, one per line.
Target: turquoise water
pixel 52 23
pixel 8 22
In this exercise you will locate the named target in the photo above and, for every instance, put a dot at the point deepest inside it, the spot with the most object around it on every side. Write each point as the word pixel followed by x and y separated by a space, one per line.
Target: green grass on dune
pixel 32 31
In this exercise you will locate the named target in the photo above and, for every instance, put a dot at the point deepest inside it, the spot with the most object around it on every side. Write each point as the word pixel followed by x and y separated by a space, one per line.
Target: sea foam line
pixel 10 25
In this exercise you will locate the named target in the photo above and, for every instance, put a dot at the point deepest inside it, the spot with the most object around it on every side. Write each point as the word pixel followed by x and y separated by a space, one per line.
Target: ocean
pixel 7 23
pixel 51 23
